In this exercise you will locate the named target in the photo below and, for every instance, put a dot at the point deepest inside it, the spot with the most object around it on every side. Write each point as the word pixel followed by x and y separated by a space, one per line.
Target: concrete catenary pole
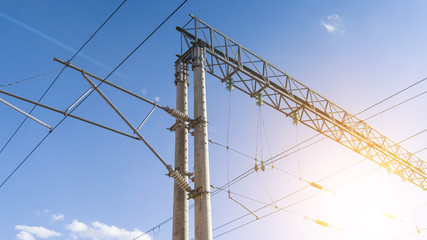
pixel 202 197
pixel 180 202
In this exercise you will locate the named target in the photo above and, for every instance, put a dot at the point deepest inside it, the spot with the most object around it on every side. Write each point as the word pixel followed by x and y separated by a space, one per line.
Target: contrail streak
pixel 52 40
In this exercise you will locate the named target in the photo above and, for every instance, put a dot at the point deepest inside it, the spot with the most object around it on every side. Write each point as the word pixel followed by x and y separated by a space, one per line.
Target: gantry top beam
pixel 255 76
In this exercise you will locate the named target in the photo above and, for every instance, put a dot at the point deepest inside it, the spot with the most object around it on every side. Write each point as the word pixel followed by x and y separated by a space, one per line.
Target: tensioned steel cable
pixel 29 78
pixel 276 157
pixel 248 172
pixel 396 105
pixel 59 74
pixel 286 196
pixel 153 228
pixel 387 98
pixel 335 173
pixel 418 231
pixel 126 58
pixel 283 208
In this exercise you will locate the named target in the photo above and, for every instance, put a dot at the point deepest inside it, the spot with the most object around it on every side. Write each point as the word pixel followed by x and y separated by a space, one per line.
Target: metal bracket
pixel 294 111
pixel 181 72
pixel 198 55
pixel 182 172
pixel 195 122
pixel 197 192
pixel 176 125
pixel 260 90
pixel 229 75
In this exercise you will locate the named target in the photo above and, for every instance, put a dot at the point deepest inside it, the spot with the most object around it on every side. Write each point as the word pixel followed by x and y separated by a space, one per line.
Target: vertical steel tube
pixel 202 197
pixel 180 202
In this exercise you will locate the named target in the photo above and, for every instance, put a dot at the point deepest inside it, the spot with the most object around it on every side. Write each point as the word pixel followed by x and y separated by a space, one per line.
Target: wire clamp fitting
pixel 176 125
pixel 194 123
pixel 197 192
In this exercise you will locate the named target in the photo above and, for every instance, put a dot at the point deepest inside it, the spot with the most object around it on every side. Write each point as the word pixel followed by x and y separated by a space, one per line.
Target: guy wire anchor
pixel 26 114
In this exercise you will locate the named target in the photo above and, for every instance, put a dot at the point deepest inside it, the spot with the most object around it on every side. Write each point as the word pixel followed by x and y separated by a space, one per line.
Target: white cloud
pixel 332 23
pixel 99 230
pixel 144 91
pixel 77 226
pixel 57 217
pixel 29 231
pixel 24 236
pixel 157 99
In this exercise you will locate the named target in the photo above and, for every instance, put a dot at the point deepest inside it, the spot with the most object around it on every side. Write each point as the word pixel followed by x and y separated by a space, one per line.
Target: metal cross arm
pixel 69 115
pixel 173 112
pixel 177 176
pixel 270 85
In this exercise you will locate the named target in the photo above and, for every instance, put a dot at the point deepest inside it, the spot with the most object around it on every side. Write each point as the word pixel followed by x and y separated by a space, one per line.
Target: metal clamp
pixel 176 125
pixel 194 123
pixel 197 192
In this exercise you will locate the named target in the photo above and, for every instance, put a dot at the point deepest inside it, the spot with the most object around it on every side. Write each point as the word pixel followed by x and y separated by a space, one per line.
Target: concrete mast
pixel 201 195
pixel 180 202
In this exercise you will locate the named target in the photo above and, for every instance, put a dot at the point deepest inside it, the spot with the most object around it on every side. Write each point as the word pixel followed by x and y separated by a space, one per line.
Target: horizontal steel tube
pixel 109 83
pixel 70 115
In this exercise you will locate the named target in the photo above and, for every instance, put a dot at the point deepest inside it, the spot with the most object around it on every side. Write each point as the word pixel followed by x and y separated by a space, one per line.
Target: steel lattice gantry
pixel 258 78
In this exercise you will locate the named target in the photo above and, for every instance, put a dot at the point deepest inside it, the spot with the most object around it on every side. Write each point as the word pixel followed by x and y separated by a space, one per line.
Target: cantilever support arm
pixel 173 112
pixel 26 114
pixel 69 115
pixel 127 122
pixel 179 179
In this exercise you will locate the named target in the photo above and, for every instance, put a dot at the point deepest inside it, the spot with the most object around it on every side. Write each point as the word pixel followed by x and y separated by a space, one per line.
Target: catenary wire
pixel 410 233
pixel 127 57
pixel 30 78
pixel 248 172
pixel 387 98
pixel 57 76
pixel 396 105
pixel 287 206
pixel 153 228
pixel 324 178
pixel 420 150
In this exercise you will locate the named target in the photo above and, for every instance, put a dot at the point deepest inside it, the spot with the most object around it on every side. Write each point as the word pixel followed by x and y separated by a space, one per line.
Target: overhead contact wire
pixel 13 172
pixel 59 74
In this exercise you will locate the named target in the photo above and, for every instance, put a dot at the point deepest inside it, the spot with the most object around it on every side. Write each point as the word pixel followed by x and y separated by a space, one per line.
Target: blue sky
pixel 86 183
